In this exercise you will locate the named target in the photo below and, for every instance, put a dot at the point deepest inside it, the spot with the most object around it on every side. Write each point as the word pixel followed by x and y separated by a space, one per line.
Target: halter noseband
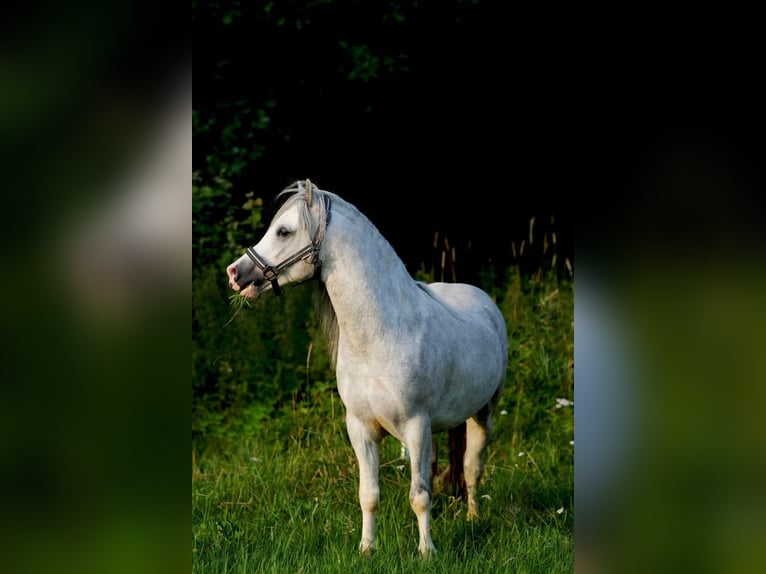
pixel 271 272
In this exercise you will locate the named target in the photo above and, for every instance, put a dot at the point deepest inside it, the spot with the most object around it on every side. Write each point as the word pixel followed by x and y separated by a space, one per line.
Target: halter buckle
pixel 271 275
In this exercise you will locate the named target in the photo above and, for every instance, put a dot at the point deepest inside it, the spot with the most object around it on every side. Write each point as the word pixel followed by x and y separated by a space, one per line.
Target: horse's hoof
pixel 367 550
pixel 428 552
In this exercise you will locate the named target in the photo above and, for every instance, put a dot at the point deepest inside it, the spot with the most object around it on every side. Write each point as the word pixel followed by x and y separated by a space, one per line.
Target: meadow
pixel 279 493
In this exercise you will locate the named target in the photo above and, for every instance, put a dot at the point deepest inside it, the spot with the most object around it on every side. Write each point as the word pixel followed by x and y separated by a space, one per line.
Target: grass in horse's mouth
pixel 237 300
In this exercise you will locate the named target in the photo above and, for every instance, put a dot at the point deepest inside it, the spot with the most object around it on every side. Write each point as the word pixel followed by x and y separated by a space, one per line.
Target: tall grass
pixel 284 497
pixel 286 501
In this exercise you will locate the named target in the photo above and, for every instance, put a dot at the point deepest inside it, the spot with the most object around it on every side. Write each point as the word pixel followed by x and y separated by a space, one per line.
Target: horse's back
pixel 468 299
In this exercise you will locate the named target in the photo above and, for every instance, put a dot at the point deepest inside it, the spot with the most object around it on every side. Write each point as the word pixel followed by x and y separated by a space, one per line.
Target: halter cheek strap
pixel 271 272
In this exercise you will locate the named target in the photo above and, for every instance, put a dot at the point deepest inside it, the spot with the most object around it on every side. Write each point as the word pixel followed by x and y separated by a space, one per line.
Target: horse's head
pixel 289 250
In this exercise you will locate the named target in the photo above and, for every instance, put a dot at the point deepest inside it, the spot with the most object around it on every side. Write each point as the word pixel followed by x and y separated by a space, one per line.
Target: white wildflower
pixel 560 510
pixel 564 403
pixel 504 412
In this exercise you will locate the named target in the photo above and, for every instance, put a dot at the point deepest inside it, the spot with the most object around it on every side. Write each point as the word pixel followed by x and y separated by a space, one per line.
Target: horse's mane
pixel 325 313
pixel 284 199
pixel 328 321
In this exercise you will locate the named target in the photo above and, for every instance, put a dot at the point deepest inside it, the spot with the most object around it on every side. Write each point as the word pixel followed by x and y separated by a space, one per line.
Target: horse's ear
pixel 308 192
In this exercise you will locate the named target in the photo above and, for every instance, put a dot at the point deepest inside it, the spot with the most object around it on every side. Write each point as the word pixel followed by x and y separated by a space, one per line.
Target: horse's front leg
pixel 365 443
pixel 418 439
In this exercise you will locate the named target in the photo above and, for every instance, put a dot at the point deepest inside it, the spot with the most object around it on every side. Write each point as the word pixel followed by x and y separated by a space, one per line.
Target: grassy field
pixel 284 499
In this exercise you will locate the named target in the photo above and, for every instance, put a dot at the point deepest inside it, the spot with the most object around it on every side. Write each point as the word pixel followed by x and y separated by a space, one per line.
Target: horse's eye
pixel 283 232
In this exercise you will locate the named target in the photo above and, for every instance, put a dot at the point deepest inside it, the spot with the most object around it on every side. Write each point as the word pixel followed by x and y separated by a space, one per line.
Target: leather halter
pixel 271 272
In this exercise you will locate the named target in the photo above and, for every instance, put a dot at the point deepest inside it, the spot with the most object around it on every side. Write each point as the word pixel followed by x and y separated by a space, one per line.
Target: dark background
pixel 470 118
pixel 430 117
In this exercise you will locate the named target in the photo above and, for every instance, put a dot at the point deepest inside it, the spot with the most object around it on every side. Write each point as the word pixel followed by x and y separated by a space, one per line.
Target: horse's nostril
pixel 231 270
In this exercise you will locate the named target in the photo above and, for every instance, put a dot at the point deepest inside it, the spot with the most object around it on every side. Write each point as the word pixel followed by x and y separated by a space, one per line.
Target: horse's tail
pixel 455 477
pixel 452 478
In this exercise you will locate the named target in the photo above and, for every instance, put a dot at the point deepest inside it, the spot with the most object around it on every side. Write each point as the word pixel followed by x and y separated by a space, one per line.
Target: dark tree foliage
pixel 429 116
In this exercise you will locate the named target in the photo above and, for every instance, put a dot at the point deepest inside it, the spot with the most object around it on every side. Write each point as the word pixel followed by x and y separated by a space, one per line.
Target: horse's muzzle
pixel 240 279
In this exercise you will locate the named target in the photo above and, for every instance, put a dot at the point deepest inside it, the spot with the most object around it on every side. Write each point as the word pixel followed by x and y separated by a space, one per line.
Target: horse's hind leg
pixel 478 432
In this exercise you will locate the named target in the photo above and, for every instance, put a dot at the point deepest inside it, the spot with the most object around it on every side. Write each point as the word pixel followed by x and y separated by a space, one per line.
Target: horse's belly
pixel 467 391
pixel 448 391
pixel 453 411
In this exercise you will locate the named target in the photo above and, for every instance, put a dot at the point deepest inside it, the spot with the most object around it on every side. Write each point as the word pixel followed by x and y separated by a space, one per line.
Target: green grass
pixel 278 492
pixel 285 500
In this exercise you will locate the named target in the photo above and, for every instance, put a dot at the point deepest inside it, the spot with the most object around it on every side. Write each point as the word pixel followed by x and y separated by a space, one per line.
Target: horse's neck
pixel 366 280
